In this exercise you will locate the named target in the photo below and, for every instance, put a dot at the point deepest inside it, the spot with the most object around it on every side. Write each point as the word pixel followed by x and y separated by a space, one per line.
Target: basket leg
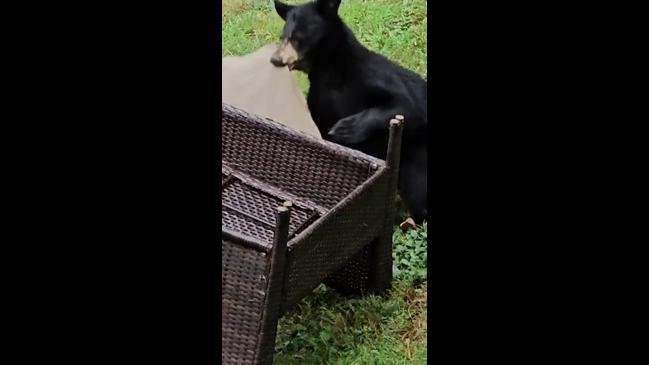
pixel 381 249
pixel 380 263
pixel 370 271
pixel 273 302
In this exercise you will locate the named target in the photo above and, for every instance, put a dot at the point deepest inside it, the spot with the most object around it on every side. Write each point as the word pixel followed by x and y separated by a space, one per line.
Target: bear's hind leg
pixel 413 188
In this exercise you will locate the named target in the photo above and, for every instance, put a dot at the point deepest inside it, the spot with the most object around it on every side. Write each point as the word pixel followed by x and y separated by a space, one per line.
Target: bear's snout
pixel 276 60
pixel 285 55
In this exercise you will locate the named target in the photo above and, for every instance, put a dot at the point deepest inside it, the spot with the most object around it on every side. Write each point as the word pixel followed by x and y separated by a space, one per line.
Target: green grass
pixel 327 328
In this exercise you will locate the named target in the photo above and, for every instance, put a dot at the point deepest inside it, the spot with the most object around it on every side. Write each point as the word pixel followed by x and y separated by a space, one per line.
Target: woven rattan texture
pixel 237 196
pixel 321 173
pixel 249 209
pixel 248 226
pixel 354 276
pixel 286 159
pixel 338 216
pixel 243 284
pixel 334 241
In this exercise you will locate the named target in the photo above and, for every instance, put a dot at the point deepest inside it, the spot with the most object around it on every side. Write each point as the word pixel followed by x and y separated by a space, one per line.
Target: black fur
pixel 354 93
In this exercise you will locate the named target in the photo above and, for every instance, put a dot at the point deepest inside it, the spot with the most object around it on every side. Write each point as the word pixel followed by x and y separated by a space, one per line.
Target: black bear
pixel 354 92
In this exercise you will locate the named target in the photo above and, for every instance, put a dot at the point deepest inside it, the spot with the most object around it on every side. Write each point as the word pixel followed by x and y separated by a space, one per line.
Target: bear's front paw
pixel 347 132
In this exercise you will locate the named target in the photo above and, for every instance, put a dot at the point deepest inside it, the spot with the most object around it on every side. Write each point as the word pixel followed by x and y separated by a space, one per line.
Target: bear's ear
pixel 328 7
pixel 282 9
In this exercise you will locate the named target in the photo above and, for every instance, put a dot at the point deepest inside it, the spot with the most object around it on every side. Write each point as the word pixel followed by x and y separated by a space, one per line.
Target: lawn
pixel 327 328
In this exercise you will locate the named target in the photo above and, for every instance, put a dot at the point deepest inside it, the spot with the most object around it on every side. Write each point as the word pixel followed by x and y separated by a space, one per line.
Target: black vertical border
pixel 214 149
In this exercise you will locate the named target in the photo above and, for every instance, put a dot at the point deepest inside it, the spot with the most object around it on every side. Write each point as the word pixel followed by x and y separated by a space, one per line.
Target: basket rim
pixel 330 146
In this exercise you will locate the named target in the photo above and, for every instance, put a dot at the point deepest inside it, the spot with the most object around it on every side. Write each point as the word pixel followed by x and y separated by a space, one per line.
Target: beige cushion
pixel 253 84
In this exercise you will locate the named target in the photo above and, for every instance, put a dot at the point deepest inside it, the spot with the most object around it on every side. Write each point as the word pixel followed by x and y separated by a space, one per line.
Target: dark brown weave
pixel 338 230
pixel 340 235
pixel 243 287
pixel 297 163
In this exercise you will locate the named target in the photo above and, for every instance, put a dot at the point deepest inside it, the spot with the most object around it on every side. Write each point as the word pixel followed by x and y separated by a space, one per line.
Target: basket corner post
pixel 275 295
pixel 381 248
pixel 394 145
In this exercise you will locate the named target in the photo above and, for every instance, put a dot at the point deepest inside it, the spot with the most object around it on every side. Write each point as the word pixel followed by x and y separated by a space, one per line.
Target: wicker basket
pixel 333 225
